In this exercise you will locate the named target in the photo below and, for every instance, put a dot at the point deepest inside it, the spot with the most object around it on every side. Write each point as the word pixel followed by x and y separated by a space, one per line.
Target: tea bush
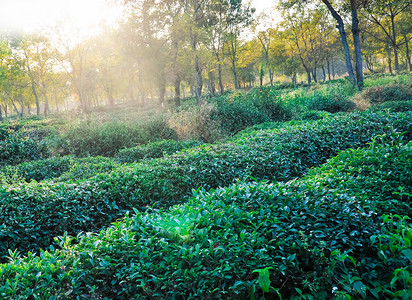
pixel 331 100
pixel 96 138
pixel 241 110
pixel 63 168
pixel 154 150
pixel 18 147
pixel 196 123
pixel 319 237
pixel 33 213
pixel 395 106
pixel 392 92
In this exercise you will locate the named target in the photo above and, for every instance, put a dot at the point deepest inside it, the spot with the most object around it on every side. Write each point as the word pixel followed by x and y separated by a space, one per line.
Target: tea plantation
pixel 270 196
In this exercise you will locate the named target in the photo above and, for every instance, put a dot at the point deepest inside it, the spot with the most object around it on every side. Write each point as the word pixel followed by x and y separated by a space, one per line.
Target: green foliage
pixel 96 138
pixel 393 92
pixel 321 237
pixel 33 213
pixel 331 100
pixel 154 150
pixel 240 110
pixel 63 168
pixel 196 123
pixel 17 147
pixel 395 106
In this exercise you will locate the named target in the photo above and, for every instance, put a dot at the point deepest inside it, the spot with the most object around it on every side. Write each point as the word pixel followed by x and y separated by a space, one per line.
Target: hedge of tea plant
pixel 153 150
pixel 59 168
pixel 319 237
pixel 33 213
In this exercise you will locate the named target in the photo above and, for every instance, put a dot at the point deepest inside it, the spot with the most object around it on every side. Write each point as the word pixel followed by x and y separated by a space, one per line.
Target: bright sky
pixel 80 16
pixel 28 15
pixel 263 5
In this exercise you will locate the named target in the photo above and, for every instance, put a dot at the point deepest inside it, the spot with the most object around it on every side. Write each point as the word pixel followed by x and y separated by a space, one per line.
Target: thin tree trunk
pixel 56 99
pixel 199 81
pixel 388 51
pixel 328 64
pixel 221 88
pixel 261 74
pixel 36 97
pixel 357 44
pixel 1 115
pixel 270 76
pixel 177 91
pixel 46 106
pixel 212 84
pixel 333 69
pixel 395 46
pixel 341 28
pixel 408 54
pixel 324 73
pixel 309 77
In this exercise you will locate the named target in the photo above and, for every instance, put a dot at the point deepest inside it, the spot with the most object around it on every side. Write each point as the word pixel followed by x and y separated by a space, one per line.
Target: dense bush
pixel 63 168
pixel 196 123
pixel 154 150
pixel 33 213
pixel 18 147
pixel 395 106
pixel 331 100
pixel 240 110
pixel 106 138
pixel 392 92
pixel 320 237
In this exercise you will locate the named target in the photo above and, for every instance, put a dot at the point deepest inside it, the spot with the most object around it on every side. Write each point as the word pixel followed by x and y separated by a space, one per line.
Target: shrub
pixel 240 110
pixel 395 106
pixel 313 115
pixel 332 100
pixel 154 150
pixel 95 138
pixel 196 123
pixel 392 92
pixel 59 168
pixel 19 147
pixel 315 238
pixel 33 213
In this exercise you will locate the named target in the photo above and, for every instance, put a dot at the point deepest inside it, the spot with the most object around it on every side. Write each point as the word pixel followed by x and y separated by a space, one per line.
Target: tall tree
pixel 384 13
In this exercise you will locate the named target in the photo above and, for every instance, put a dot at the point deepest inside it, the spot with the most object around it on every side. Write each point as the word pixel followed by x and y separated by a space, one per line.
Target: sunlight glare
pixel 83 16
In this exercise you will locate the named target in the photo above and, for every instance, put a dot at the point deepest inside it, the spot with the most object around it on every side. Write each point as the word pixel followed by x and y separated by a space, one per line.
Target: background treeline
pixel 164 51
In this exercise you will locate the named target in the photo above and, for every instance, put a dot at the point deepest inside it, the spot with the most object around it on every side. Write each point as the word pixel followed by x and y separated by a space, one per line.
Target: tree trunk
pixel 177 91
pixel 162 92
pixel 328 64
pixel 212 84
pixel 36 97
pixel 199 81
pixel 309 77
pixel 46 106
pixel 270 76
pixel 221 88
pixel 1 115
pixel 324 73
pixel 111 99
pixel 395 46
pixel 408 54
pixel 28 110
pixel 357 44
pixel 314 71
pixel 261 74
pixel 341 28
pixel 388 51
pixel 235 75
pixel 56 99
